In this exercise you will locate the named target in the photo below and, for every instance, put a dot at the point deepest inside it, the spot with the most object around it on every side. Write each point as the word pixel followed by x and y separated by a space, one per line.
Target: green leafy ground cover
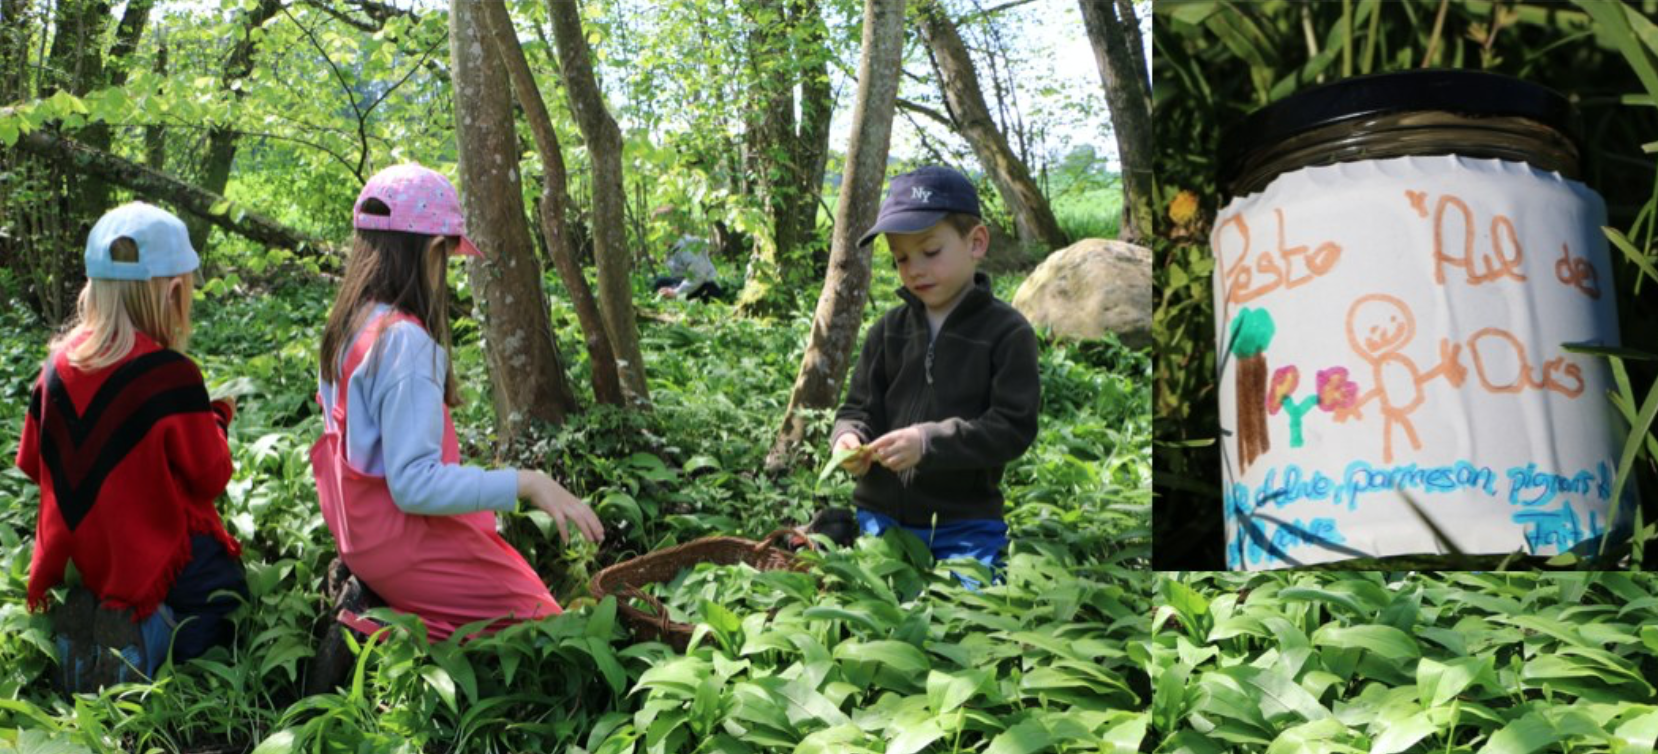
pixel 1387 662
pixel 877 649
pixel 740 588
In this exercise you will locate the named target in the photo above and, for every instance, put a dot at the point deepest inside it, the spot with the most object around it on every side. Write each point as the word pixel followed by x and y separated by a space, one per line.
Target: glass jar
pixel 1405 260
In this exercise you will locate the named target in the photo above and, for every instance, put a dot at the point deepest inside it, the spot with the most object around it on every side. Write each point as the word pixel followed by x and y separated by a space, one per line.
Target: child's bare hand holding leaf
pixel 565 509
pixel 855 455
pixel 900 449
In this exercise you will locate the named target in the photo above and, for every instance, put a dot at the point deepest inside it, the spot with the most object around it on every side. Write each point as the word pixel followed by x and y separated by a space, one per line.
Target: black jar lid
pixel 1463 92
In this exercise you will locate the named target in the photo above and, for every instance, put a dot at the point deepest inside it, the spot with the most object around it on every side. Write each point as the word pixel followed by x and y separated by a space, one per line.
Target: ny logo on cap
pixel 918 192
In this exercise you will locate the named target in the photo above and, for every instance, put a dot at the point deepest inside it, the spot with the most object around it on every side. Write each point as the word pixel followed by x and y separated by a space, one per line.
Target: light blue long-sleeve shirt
pixel 394 428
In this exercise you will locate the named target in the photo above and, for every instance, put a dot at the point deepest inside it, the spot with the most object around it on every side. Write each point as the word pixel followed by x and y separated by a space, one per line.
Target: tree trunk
pixel 76 61
pixel 81 160
pixel 35 243
pixel 76 65
pixel 817 106
pixel 1115 38
pixel 155 135
pixel 17 27
pixel 846 286
pixel 555 202
pixel 221 140
pixel 1032 217
pixel 770 148
pixel 127 34
pixel 525 368
pixel 1136 49
pixel 604 145
pixel 90 199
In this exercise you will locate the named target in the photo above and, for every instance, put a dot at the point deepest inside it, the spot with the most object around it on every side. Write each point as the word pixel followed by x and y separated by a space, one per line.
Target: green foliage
pixel 1087 201
pixel 895 653
pixel 708 588
pixel 1404 662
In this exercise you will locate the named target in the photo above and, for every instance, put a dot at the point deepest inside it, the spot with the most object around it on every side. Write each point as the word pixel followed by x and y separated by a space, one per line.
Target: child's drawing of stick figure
pixel 1379 326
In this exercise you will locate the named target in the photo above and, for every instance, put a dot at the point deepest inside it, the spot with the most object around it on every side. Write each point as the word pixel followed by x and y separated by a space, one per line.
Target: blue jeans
pixel 202 615
pixel 984 539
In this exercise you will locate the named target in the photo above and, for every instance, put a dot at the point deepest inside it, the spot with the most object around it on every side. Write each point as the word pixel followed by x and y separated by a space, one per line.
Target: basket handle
pixel 662 620
pixel 771 539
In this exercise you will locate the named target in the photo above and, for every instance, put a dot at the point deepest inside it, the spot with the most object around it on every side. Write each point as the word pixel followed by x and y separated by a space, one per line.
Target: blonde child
pixel 411 523
pixel 130 454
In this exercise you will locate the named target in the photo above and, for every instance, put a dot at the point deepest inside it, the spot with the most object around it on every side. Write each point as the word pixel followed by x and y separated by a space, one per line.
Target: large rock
pixel 1091 287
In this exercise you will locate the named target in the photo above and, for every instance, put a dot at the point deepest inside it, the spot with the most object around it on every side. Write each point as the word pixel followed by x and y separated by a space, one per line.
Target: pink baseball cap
pixel 421 201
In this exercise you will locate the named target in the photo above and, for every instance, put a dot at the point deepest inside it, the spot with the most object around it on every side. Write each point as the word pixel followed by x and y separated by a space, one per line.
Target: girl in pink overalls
pixel 410 522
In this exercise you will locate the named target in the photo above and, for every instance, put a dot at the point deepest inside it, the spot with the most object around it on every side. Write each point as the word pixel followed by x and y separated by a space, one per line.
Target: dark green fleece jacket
pixel 973 391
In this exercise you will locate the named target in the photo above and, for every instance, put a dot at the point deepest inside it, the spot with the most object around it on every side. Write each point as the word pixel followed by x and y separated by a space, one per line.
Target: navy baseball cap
pixel 919 199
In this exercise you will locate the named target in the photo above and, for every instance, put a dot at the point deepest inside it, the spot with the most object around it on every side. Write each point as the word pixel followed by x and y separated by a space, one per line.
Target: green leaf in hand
pixel 840 456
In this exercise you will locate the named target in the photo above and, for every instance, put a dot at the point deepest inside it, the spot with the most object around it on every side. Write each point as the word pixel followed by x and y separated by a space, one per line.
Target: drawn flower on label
pixel 1284 381
pixel 1335 391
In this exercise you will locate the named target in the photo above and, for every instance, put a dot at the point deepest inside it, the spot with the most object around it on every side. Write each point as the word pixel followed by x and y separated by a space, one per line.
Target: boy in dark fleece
pixel 945 392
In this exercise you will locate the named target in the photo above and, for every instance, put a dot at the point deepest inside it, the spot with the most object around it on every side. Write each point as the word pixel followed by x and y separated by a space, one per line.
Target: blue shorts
pixel 982 539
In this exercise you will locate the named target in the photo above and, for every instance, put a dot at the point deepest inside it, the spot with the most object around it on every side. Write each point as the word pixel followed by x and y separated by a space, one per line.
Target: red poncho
pixel 129 460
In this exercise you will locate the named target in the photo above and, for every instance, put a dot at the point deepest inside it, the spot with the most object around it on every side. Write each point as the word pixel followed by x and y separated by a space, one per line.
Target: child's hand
pixel 666 292
pixel 856 465
pixel 900 449
pixel 225 409
pixel 550 496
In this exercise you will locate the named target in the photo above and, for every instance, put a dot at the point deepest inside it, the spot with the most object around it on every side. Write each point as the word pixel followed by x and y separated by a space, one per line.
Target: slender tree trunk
pixel 17 27
pixel 76 65
pixel 19 21
pixel 221 140
pixel 1136 48
pixel 155 135
pixel 80 160
pixel 846 287
pixel 817 106
pixel 525 368
pixel 1032 217
pixel 91 198
pixel 76 61
pixel 555 202
pixel 604 145
pixel 127 34
pixel 1115 37
pixel 770 151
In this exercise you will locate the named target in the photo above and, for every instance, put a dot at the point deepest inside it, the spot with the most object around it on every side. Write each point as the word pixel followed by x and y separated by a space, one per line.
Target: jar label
pixel 1391 353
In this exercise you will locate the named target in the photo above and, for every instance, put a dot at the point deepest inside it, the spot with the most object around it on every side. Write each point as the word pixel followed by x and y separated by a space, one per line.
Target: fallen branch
pixel 162 187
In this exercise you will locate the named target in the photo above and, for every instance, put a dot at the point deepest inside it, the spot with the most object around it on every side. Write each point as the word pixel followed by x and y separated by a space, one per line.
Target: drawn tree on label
pixel 1250 334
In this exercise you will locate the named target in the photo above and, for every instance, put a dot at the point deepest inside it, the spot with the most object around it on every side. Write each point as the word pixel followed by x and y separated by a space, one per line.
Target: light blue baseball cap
pixel 163 244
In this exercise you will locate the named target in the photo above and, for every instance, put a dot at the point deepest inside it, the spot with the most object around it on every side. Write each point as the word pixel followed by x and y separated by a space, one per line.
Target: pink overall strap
pixel 354 357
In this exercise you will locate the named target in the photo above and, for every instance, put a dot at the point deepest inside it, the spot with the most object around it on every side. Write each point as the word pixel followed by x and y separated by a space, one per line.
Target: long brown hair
pixel 388 267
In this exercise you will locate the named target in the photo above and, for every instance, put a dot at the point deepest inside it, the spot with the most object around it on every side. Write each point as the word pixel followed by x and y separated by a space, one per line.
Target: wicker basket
pixel 624 579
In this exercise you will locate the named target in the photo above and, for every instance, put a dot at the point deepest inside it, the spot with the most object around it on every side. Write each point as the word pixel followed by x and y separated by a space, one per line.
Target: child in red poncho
pixel 130 454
